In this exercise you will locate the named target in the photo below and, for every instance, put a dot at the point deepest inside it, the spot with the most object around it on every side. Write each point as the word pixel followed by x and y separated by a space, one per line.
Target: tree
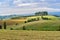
pixel 0 27
pixel 38 13
pixel 45 13
pixel 4 25
pixel 24 28
pixel 41 13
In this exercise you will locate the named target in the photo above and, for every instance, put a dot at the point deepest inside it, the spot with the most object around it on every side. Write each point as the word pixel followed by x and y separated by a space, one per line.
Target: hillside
pixel 42 25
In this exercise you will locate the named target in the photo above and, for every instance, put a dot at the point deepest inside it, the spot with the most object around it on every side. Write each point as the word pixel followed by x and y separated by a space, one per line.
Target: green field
pixel 42 25
pixel 29 35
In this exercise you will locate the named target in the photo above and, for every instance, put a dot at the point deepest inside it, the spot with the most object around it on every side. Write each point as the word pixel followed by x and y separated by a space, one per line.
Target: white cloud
pixel 42 0
pixel 0 3
pixel 16 1
pixel 50 9
pixel 27 4
pixel 8 11
pixel 57 4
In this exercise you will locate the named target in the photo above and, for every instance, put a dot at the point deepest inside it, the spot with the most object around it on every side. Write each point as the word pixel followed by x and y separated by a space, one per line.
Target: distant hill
pixel 7 16
pixel 54 13
pixel 29 14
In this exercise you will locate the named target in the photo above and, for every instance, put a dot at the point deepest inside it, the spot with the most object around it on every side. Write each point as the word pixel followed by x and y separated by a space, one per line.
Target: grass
pixel 42 25
pixel 29 35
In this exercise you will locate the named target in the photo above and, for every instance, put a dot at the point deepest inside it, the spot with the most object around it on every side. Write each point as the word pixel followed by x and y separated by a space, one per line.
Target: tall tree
pixel 41 13
pixel 4 25
pixel 45 13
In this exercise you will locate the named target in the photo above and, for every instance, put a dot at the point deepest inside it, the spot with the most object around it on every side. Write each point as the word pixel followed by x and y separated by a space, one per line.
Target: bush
pixel 38 19
pixel 11 28
pixel 29 20
pixel 25 22
pixel 16 24
pixel 45 18
pixel 33 19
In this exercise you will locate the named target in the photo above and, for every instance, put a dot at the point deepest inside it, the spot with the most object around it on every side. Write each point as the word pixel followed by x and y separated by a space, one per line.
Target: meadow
pixel 42 25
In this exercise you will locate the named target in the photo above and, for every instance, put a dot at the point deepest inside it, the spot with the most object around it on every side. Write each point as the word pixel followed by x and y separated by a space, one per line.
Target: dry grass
pixel 29 35
pixel 13 21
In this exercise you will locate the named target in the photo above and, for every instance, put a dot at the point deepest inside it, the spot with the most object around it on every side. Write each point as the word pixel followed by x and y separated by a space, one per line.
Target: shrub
pixel 38 19
pixel 45 18
pixel 34 19
pixel 25 22
pixel 11 28
pixel 16 24
pixel 29 20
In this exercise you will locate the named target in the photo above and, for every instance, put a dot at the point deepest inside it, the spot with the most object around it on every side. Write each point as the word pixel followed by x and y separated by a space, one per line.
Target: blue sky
pixel 8 7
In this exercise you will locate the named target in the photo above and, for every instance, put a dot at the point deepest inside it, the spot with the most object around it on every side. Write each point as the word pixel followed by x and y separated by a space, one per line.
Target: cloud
pixel 27 4
pixel 18 3
pixel 57 4
pixel 37 3
pixel 50 9
pixel 42 0
pixel 21 11
pixel 0 3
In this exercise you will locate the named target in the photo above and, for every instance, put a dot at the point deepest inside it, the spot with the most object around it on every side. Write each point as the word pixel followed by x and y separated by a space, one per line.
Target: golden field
pixel 29 35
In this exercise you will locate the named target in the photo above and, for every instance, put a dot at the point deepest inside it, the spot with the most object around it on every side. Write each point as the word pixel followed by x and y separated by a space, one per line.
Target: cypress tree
pixel 24 28
pixel 4 25
pixel 0 27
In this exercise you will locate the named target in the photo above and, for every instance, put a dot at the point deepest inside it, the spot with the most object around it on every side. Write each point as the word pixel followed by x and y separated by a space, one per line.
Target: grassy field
pixel 29 35
pixel 42 25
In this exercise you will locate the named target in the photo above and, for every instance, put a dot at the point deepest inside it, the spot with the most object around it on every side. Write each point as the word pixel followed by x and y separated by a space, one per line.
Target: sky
pixel 8 7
